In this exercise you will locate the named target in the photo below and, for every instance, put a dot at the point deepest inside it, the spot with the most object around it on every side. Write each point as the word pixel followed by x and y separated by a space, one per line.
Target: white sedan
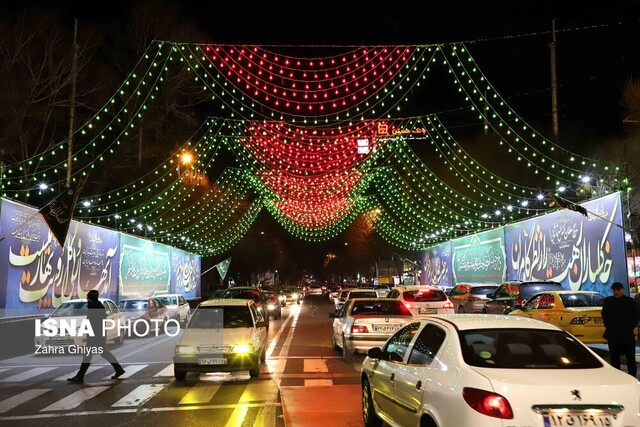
pixel 491 370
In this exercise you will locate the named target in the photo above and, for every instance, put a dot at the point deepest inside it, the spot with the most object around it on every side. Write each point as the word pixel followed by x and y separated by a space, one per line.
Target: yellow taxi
pixel 577 312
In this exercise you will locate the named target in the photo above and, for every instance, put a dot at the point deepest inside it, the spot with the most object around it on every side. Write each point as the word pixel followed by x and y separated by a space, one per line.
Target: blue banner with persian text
pixel 37 274
pixel 185 273
pixel 479 258
pixel 436 266
pixel 581 252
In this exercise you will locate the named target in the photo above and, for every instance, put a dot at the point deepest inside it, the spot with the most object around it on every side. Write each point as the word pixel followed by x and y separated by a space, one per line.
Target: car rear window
pixel 426 295
pixel 363 294
pixel 582 300
pixel 221 317
pixel 242 294
pixel 134 305
pixel 525 349
pixel 483 290
pixel 527 290
pixel 378 307
pixel 169 300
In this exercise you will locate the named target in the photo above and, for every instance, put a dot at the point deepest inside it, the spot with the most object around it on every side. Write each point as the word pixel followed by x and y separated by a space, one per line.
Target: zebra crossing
pixel 40 392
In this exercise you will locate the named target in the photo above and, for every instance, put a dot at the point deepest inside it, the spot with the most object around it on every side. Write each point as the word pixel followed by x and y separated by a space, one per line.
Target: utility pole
pixel 554 82
pixel 72 109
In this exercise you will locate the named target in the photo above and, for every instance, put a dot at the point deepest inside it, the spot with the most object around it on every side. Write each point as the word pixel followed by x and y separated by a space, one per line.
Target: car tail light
pixel 519 301
pixel 580 320
pixel 447 305
pixel 358 329
pixel 406 304
pixel 488 403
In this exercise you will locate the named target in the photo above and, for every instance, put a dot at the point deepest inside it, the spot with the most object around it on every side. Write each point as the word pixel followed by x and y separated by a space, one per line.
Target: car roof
pixel 491 321
pixel 85 300
pixel 417 287
pixel 225 302
pixel 568 291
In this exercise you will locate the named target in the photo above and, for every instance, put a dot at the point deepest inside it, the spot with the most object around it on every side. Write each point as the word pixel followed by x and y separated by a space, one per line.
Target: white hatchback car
pixel 468 370
pixel 223 335
pixel 178 307
pixel 423 300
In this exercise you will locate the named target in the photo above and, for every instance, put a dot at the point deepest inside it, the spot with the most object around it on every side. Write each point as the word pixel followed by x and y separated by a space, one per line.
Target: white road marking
pixel 313 383
pixel 166 372
pixel 139 396
pixel 26 375
pixel 261 391
pixel 315 365
pixel 21 398
pixel 266 417
pixel 200 393
pixel 75 399
pixel 129 370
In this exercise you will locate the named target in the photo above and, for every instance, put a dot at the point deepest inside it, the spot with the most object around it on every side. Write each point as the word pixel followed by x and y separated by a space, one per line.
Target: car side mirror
pixel 375 353
pixel 263 324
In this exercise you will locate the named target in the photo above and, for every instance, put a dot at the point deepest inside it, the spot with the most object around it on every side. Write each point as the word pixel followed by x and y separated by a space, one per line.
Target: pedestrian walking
pixel 96 344
pixel 621 315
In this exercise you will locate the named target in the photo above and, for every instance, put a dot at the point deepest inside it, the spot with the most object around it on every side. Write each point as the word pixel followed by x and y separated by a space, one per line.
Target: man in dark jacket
pixel 620 315
pixel 97 343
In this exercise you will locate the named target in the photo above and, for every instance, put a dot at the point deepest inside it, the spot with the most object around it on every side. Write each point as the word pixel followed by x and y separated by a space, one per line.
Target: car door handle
pixel 418 385
pixel 392 377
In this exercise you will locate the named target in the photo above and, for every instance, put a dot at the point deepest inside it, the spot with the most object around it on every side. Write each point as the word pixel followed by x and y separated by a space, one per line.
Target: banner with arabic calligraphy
pixel 37 275
pixel 436 266
pixel 145 267
pixel 585 253
pixel 479 258
pixel 185 273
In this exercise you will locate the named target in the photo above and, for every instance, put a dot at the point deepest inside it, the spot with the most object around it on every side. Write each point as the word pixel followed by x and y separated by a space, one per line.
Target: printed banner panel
pixel 436 264
pixel 581 252
pixel 185 273
pixel 479 258
pixel 145 267
pixel 40 274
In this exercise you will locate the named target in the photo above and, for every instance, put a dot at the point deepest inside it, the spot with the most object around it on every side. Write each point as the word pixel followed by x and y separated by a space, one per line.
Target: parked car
pixel 423 300
pixel 363 323
pixel 509 294
pixel 75 310
pixel 470 297
pixel 145 314
pixel 177 306
pixel 224 335
pixel 271 304
pixel 577 312
pixel 492 371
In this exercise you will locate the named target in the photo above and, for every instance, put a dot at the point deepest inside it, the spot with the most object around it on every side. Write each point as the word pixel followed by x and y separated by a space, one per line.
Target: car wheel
pixel 255 372
pixel 347 356
pixel 461 310
pixel 179 373
pixel 368 411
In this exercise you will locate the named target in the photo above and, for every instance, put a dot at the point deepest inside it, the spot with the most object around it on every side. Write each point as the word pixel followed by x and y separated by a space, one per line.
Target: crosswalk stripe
pixel 26 375
pixel 3 369
pixel 129 370
pixel 317 382
pixel 261 391
pixel 237 416
pixel 315 365
pixel 139 396
pixel 200 393
pixel 166 372
pixel 75 399
pixel 266 417
pixel 21 398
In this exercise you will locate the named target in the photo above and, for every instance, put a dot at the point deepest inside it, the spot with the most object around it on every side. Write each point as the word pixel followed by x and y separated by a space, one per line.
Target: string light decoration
pixel 318 140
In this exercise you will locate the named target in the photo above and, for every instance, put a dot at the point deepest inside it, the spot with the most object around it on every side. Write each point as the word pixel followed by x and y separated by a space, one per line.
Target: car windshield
pixel 169 300
pixel 363 294
pixel 582 300
pixel 483 290
pixel 253 294
pixel 133 305
pixel 77 308
pixel 221 317
pixel 525 349
pixel 426 295
pixel 527 290
pixel 378 307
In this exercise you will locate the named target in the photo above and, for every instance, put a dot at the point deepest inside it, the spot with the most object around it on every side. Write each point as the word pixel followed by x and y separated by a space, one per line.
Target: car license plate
pixel 384 328
pixel 427 311
pixel 578 419
pixel 212 361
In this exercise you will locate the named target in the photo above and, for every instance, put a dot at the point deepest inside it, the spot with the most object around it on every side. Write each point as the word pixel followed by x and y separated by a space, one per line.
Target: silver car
pixel 363 323
pixel 471 297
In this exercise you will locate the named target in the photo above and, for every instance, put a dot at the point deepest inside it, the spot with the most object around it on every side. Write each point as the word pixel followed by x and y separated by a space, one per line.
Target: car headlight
pixel 294 295
pixel 271 306
pixel 185 349
pixel 281 298
pixel 242 348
